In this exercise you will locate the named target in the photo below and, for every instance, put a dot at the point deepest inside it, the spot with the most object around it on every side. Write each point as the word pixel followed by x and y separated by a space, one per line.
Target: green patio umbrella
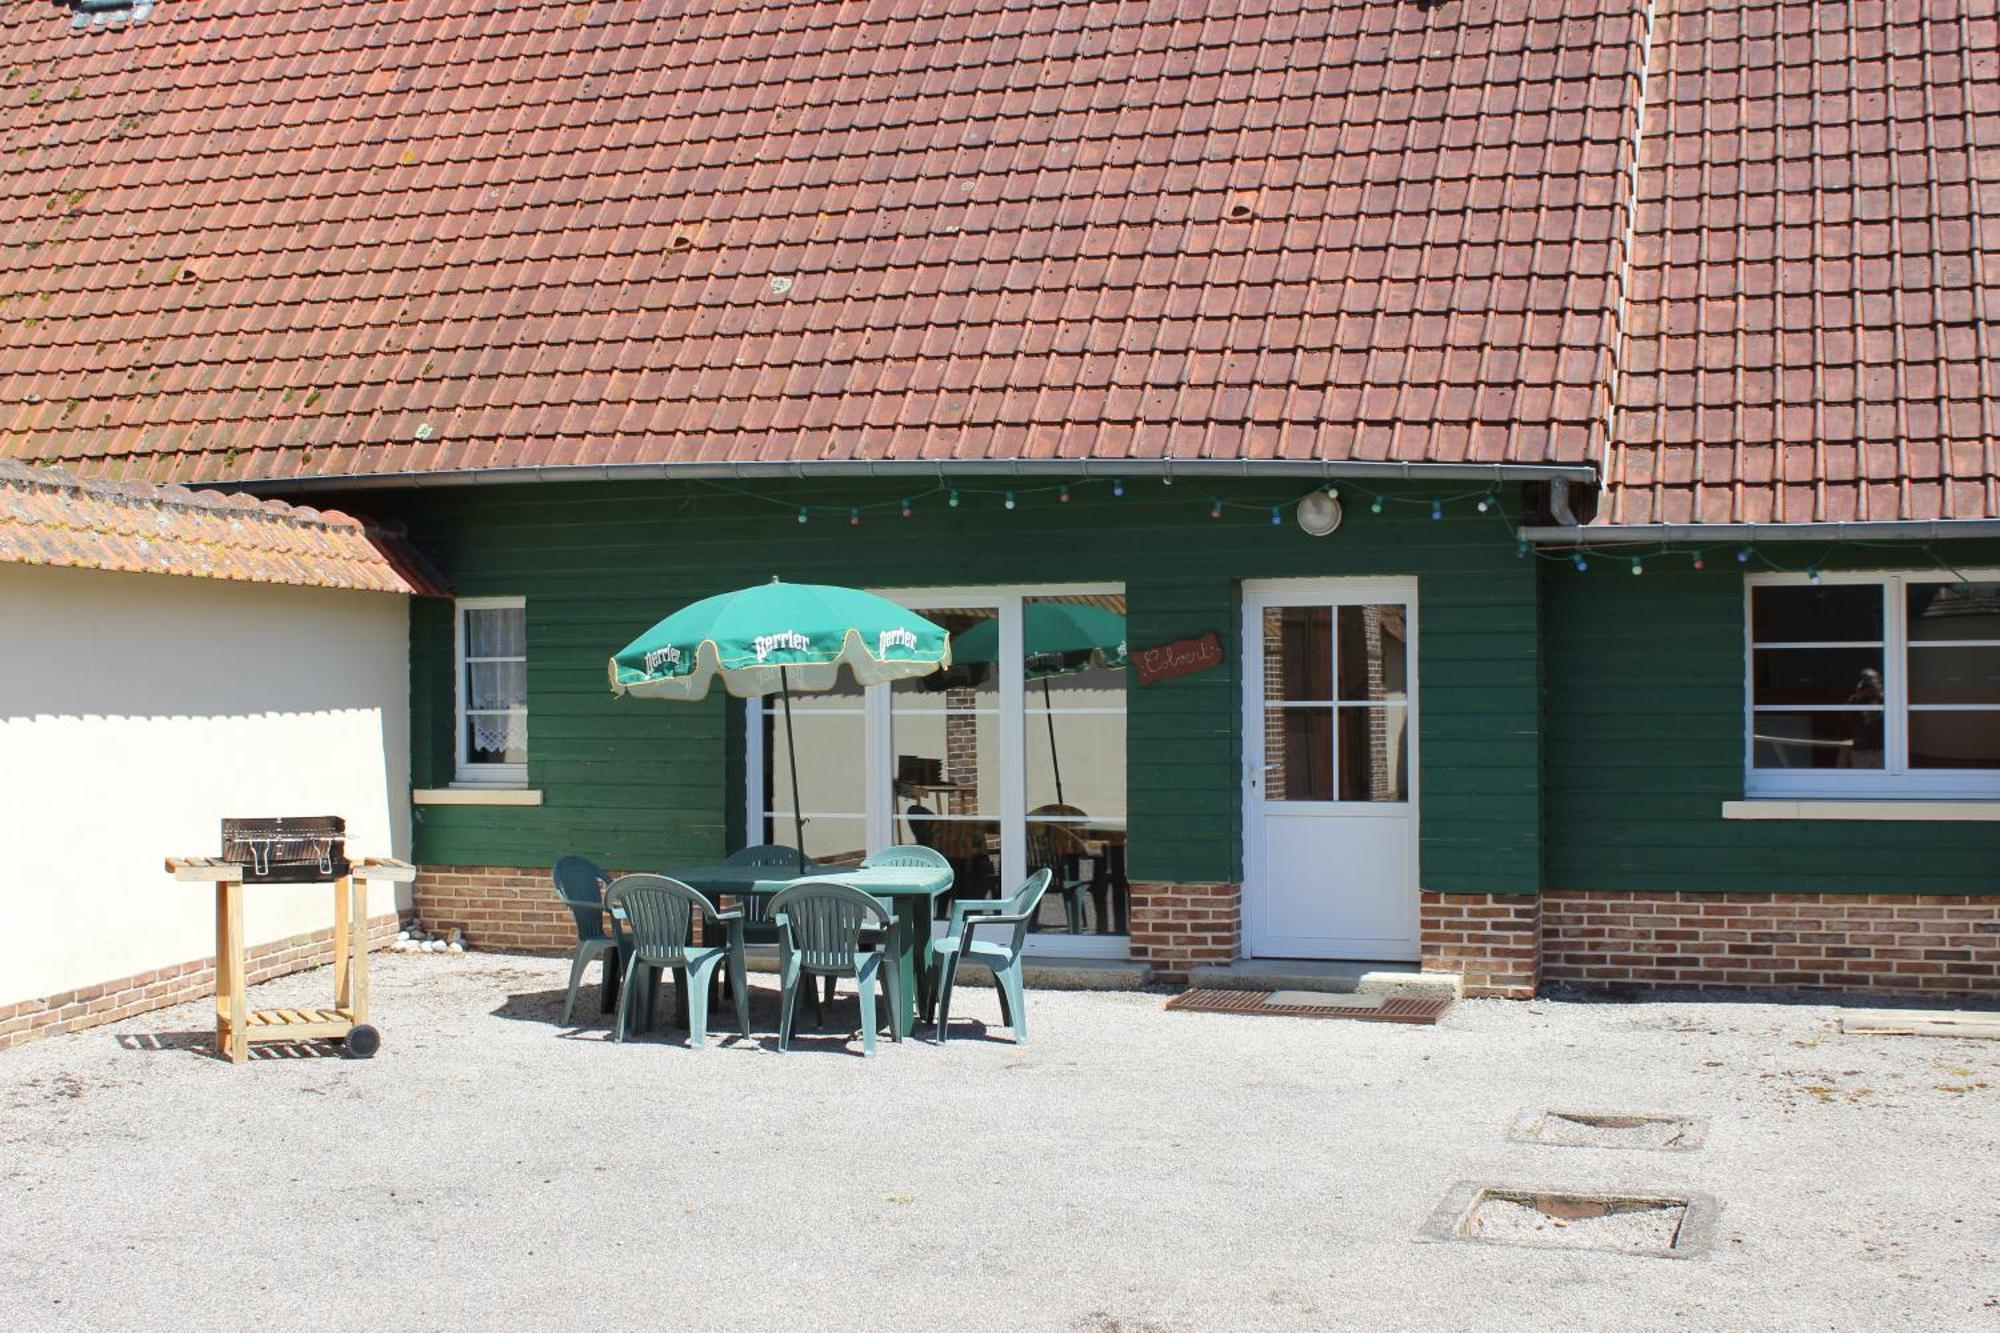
pixel 1057 639
pixel 774 638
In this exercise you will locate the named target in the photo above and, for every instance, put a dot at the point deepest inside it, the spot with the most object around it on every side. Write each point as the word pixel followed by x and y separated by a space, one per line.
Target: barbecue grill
pixel 291 850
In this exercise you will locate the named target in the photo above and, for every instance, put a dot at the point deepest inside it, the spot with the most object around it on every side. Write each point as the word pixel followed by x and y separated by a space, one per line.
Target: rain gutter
pixel 1207 469
pixel 1657 533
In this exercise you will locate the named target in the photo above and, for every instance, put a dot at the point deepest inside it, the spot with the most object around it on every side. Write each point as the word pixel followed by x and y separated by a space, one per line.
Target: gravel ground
pixel 1130 1170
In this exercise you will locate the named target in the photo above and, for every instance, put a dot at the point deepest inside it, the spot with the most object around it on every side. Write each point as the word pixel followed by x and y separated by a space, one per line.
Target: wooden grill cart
pixel 347 1021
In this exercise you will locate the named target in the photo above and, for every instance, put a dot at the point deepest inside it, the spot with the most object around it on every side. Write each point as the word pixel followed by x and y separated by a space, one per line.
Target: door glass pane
pixel 1298 754
pixel 1967 738
pixel 1830 613
pixel 1074 682
pixel 1954 611
pixel 1954 674
pixel 1817 676
pixel 1374 754
pixel 944 733
pixel 1802 739
pixel 1374 653
pixel 828 729
pixel 1298 652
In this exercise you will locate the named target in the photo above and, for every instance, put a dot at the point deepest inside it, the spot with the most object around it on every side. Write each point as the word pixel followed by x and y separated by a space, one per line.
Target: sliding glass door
pixel 1011 761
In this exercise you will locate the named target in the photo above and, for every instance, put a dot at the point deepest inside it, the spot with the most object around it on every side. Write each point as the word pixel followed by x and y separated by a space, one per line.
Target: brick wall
pixel 1493 939
pixel 123 997
pixel 1873 943
pixel 1176 927
pixel 509 908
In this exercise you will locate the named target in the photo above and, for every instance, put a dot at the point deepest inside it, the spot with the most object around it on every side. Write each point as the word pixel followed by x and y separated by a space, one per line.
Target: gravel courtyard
pixel 1130 1169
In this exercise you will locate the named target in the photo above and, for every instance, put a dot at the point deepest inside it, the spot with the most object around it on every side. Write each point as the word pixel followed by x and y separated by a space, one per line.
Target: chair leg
pixel 1073 910
pixel 1006 999
pixel 866 978
pixel 950 974
pixel 625 997
pixel 1008 980
pixel 788 1000
pixel 576 967
pixel 699 978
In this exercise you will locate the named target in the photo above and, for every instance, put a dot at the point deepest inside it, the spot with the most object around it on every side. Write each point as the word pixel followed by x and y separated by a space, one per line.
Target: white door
pixel 1330 781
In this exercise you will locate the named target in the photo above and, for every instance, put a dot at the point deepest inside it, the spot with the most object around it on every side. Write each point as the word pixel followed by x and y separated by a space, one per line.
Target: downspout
pixel 1559 508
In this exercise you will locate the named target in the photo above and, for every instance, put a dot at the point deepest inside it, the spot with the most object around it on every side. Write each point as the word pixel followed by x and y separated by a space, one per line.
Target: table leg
pixel 231 894
pixel 357 952
pixel 614 975
pixel 343 982
pixel 906 937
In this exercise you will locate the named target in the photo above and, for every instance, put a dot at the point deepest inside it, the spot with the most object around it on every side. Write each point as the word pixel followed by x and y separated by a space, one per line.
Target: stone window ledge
pixel 476 796
pixel 1884 810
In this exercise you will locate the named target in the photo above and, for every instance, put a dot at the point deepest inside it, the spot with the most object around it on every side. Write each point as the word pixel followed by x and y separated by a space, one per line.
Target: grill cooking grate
pixel 289 849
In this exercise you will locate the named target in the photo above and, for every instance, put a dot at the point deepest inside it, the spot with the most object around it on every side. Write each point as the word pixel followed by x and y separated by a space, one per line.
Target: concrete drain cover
pixel 1658 1225
pixel 1600 1129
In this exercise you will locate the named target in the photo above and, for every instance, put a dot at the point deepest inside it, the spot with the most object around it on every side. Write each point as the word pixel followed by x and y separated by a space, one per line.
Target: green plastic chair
pixel 758 928
pixel 1004 960
pixel 820 928
pixel 659 912
pixel 928 857
pixel 580 885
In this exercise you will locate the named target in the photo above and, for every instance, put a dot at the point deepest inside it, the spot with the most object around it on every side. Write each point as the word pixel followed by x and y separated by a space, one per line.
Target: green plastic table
pixel 909 892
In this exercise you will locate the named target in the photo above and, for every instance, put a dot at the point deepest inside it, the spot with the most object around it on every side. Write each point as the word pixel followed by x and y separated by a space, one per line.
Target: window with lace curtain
pixel 492 653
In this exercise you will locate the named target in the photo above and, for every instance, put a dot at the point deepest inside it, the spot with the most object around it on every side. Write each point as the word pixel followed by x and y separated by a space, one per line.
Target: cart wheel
pixel 363 1041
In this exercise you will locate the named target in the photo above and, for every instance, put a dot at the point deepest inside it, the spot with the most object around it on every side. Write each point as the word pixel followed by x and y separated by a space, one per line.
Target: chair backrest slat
pixel 579 880
pixel 660 913
pixel 826 920
pixel 928 858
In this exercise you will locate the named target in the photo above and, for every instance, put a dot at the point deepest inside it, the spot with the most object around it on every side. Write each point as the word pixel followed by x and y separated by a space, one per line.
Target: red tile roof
pixel 291 238
pixel 285 237
pixel 1813 331
pixel 49 517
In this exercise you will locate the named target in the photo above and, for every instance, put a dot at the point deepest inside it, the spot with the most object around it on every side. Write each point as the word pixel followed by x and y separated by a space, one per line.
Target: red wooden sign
pixel 1182 657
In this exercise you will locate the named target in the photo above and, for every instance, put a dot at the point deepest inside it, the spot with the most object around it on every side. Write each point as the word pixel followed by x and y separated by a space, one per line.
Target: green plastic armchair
pixel 1002 959
pixel 928 857
pixel 660 912
pixel 580 885
pixel 820 934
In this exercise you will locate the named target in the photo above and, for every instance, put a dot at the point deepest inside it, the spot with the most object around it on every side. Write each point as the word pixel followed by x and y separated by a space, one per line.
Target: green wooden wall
pixel 635 782
pixel 1645 743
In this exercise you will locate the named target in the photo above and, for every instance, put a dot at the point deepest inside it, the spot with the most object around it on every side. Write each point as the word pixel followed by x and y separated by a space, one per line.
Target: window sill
pixel 1882 809
pixel 475 796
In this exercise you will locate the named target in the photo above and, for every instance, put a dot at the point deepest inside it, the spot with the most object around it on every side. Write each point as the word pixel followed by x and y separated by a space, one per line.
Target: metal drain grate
pixel 1296 1004
pixel 1662 1226
pixel 1609 1129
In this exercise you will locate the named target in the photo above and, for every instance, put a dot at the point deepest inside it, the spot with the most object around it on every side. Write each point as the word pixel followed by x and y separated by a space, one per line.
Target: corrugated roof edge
pixel 388 541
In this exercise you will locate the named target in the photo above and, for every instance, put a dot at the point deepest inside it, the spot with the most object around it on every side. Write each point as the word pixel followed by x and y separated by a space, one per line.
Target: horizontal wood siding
pixel 1645 743
pixel 644 782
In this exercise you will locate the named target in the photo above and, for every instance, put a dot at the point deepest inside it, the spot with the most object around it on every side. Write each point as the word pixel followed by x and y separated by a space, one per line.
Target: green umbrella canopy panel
pixel 778 636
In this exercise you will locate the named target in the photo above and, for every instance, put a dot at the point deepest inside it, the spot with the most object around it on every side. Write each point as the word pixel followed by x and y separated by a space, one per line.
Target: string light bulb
pixel 804 514
pixel 1375 505
pixel 906 509
pixel 1485 502
pixel 1215 510
pixel 1637 567
pixel 1437 510
pixel 1118 487
pixel 1010 499
pixel 1276 517
pixel 1743 556
pixel 1063 495
pixel 854 517
pixel 953 501
pixel 1521 548
pixel 1581 563
pixel 1699 563
pixel 1812 576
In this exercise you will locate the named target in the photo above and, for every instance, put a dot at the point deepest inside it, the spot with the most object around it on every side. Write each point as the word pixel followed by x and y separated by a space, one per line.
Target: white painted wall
pixel 136 710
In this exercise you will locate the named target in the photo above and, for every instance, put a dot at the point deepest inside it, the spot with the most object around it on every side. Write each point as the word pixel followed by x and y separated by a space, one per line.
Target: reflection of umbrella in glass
pixel 766 639
pixel 1057 639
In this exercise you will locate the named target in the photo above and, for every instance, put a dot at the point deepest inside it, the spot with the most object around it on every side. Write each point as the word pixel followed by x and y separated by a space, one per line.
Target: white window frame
pixel 1895 780
pixel 464 773
pixel 1007 601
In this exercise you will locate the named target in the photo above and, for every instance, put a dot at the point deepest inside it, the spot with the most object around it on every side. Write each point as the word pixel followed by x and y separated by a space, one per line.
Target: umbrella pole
pixel 1055 760
pixel 792 753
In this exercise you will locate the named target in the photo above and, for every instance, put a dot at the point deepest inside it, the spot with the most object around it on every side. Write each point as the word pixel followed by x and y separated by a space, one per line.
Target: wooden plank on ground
pixel 1922 1022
